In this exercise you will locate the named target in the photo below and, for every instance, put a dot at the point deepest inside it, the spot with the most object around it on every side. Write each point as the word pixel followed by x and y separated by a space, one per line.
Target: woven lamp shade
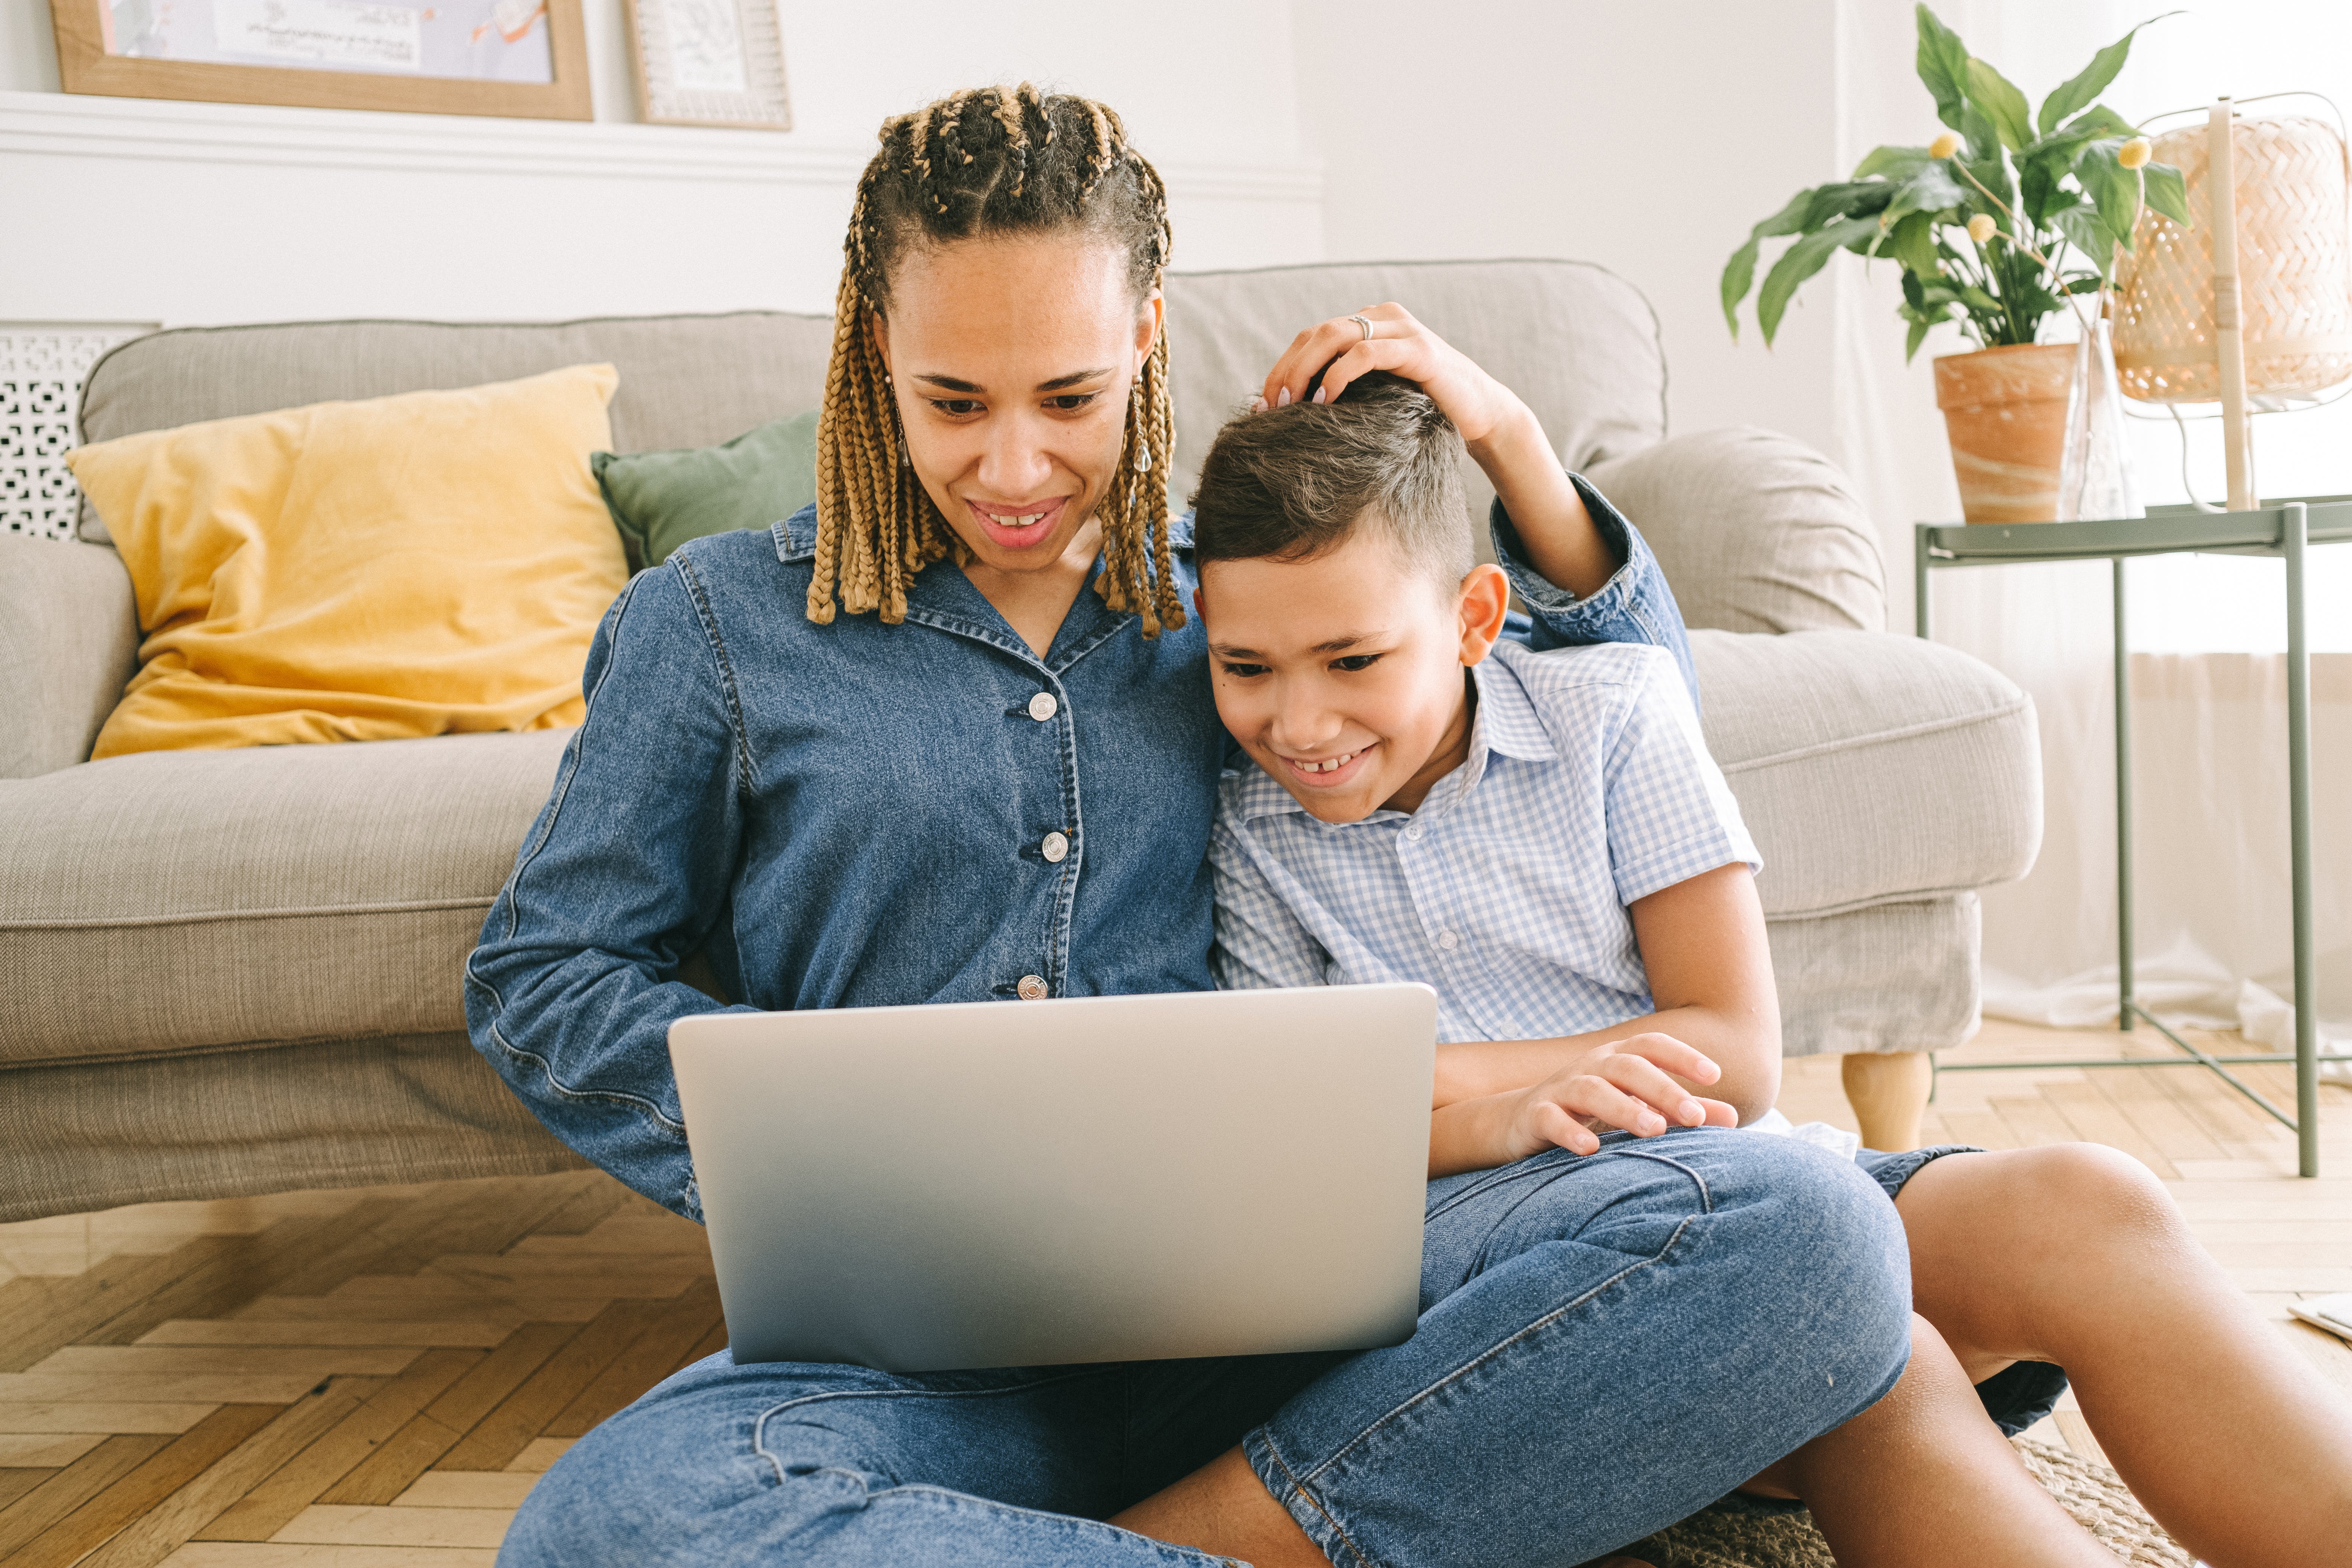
pixel 2294 267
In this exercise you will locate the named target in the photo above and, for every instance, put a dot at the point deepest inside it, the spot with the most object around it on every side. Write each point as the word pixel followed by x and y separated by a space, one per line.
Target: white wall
pixel 1644 137
pixel 201 213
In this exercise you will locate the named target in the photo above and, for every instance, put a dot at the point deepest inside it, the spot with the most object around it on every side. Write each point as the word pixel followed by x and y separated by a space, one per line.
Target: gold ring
pixel 1365 324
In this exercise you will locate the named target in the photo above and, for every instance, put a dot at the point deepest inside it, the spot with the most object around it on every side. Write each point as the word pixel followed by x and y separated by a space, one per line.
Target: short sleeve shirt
pixel 1587 788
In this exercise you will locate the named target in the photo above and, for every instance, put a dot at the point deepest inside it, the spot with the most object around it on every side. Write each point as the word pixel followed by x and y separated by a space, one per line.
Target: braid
pixel 942 175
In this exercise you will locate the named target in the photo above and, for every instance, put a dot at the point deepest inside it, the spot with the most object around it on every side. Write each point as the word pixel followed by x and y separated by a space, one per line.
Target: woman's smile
pixel 1017 527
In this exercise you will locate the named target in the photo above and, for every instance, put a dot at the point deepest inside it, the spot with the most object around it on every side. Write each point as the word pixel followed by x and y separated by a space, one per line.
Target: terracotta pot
pixel 2005 413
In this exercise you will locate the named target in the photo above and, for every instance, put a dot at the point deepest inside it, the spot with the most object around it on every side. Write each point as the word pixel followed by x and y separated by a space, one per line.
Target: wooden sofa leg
pixel 1888 1091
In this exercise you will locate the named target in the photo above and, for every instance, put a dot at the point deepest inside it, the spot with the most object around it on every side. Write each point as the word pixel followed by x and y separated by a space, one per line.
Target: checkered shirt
pixel 1587 786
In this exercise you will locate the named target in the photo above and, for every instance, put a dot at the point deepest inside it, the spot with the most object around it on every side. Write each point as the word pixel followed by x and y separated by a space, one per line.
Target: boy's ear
pixel 1482 602
pixel 1197 610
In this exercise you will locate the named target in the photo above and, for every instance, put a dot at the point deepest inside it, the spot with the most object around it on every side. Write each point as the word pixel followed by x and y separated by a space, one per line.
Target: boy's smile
pixel 1343 674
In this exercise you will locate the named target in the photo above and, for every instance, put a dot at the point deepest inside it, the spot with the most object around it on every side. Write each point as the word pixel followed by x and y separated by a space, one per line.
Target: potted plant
pixel 1998 224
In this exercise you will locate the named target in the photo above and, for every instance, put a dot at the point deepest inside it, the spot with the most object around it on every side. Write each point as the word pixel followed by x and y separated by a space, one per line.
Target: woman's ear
pixel 1149 322
pixel 876 326
pixel 1482 602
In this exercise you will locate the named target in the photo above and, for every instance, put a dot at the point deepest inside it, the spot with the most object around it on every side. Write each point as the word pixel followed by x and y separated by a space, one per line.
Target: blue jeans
pixel 1606 1344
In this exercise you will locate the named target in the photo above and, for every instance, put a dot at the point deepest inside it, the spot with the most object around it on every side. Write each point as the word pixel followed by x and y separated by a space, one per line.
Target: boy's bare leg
pixel 1922 1478
pixel 2076 1253
pixel 1223 1508
pixel 1888 1091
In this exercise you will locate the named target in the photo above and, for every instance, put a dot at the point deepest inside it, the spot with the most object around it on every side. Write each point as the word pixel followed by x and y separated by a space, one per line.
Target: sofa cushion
pixel 199 900
pixel 1871 768
pixel 661 500
pixel 1755 532
pixel 423 564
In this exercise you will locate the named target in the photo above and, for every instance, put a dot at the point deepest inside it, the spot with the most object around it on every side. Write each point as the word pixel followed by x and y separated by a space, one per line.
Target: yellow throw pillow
pixel 413 565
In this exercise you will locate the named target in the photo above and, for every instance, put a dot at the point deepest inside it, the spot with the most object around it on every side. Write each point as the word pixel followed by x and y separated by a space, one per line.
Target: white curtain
pixel 2208 678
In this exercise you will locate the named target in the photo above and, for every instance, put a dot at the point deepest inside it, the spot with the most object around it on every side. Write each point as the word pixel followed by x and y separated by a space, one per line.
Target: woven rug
pixel 1726 1537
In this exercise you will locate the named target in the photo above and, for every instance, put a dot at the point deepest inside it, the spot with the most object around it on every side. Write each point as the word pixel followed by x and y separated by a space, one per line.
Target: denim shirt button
pixel 1032 988
pixel 1056 848
pixel 1043 707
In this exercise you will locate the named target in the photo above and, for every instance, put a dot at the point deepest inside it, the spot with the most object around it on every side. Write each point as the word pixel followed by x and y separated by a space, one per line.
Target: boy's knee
pixel 1831 1270
pixel 2093 1202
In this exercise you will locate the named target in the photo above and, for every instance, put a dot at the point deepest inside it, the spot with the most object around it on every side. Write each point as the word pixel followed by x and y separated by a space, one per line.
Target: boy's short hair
pixel 1291 483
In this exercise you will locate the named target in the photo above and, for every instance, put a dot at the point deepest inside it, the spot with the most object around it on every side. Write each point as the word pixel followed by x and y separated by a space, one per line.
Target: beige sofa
pixel 238 971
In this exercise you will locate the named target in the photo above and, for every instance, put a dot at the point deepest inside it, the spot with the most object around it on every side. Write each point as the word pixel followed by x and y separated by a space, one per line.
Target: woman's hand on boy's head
pixel 1628 1083
pixel 1477 402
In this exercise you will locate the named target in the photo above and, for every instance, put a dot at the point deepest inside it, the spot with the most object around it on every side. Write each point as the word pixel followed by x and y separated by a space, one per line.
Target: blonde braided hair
pixel 990 160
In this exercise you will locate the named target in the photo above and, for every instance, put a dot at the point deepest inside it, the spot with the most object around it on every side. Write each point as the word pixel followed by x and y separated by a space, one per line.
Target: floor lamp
pixel 2251 304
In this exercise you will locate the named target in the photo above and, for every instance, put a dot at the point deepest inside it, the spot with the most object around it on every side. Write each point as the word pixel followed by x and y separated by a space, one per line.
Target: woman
pixel 948 735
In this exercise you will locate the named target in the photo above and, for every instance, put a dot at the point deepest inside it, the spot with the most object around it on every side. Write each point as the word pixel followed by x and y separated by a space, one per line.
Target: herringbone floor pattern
pixel 365 1379
pixel 373 1378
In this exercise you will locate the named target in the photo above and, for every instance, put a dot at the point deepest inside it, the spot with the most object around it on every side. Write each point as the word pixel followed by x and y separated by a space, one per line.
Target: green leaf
pixel 2099 119
pixel 2085 283
pixel 2075 93
pixel 1914 337
pixel 1912 242
pixel 1943 63
pixel 1739 272
pixel 2081 225
pixel 2037 189
pixel 1798 262
pixel 2161 188
pixel 1895 163
pixel 2114 188
pixel 2003 104
pixel 1975 298
pixel 1850 198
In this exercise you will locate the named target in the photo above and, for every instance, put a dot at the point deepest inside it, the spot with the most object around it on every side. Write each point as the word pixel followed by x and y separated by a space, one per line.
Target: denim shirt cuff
pixel 1561 612
pixel 1633 606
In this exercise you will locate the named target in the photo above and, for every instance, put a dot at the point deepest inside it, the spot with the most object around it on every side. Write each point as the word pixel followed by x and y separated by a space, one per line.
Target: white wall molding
pixel 158 129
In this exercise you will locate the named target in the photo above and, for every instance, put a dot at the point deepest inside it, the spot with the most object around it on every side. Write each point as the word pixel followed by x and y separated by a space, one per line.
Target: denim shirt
pixel 859 815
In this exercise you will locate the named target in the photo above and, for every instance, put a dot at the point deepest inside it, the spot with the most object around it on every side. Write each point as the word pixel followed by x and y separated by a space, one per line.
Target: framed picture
pixel 710 62
pixel 520 58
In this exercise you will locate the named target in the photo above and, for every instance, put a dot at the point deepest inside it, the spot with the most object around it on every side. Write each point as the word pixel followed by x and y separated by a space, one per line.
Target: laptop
pixel 1089 1179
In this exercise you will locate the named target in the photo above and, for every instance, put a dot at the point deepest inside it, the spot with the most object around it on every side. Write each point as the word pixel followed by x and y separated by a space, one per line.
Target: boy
pixel 1543 839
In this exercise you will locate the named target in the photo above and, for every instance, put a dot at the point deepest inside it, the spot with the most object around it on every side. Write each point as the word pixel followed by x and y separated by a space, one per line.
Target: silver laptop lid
pixel 1015 1184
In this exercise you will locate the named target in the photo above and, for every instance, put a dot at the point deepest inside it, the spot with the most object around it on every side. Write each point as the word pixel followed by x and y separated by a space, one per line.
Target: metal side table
pixel 2282 528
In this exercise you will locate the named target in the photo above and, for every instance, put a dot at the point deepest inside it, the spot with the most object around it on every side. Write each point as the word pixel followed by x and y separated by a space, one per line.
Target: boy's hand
pixel 1502 434
pixel 1477 402
pixel 1624 1083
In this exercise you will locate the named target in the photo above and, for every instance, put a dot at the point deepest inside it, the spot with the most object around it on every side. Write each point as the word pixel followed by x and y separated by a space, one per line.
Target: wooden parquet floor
pixel 373 1378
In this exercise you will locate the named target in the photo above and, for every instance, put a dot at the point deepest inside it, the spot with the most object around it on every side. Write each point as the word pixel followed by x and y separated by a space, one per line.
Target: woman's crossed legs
pixel 1607 1343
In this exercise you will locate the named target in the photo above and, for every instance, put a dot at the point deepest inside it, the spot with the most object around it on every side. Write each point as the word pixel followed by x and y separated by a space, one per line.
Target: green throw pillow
pixel 661 500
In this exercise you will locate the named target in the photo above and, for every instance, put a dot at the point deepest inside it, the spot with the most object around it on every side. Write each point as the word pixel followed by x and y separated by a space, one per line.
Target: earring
pixel 1143 457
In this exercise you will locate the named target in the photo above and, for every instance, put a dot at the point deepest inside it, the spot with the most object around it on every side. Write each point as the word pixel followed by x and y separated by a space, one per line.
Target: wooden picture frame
pixel 710 62
pixel 86 64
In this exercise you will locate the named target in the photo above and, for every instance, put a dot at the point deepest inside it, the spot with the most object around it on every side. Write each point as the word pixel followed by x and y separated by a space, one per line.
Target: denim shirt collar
pixel 796 535
pixel 942 597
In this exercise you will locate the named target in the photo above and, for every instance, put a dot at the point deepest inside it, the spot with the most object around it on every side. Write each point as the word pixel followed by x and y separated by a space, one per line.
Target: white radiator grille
pixel 41 367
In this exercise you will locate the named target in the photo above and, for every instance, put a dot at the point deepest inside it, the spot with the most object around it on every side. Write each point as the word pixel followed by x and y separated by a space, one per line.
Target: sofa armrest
pixel 68 642
pixel 1756 532
pixel 1871 768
